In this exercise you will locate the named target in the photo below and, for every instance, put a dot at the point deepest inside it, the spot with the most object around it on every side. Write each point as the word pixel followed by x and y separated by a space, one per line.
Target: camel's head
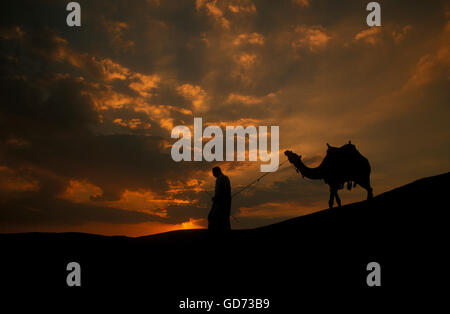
pixel 292 157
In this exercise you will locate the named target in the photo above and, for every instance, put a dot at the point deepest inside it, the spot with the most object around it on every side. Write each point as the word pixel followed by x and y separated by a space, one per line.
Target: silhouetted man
pixel 219 216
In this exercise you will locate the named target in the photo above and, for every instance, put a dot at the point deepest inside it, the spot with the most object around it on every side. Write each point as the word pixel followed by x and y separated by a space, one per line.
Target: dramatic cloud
pixel 195 94
pixel 312 38
pixel 116 31
pixel 370 35
pixel 251 38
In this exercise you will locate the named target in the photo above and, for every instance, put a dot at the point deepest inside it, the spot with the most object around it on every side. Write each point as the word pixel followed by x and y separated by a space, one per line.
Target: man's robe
pixel 219 216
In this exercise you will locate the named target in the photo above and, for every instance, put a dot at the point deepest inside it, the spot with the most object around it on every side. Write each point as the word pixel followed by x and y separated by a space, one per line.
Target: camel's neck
pixel 310 173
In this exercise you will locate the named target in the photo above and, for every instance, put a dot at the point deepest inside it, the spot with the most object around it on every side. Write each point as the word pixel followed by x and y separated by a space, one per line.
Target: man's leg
pixel 338 200
pixel 212 218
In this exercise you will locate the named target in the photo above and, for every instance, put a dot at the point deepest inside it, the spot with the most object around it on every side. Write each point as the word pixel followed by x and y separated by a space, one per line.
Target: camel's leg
pixel 333 195
pixel 366 185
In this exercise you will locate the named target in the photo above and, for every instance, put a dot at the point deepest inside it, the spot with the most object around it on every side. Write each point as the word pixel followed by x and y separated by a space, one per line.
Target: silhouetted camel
pixel 341 165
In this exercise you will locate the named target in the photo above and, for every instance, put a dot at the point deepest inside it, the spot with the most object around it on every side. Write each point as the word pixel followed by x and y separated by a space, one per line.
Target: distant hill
pixel 322 253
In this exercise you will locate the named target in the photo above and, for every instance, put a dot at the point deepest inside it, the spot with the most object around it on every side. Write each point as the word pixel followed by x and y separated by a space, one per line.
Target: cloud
pixel 400 35
pixel 113 70
pixel 110 99
pixel 370 36
pixel 196 94
pixel 144 83
pixel 33 209
pixel 134 123
pixel 249 99
pixel 116 31
pixel 249 38
pixel 214 11
pixel 15 181
pixel 246 60
pixel 242 7
pixel 433 64
pixel 313 38
pixel 49 46
pixel 243 99
pixel 428 67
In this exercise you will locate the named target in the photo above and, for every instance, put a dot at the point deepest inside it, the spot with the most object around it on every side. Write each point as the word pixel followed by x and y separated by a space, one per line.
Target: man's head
pixel 216 171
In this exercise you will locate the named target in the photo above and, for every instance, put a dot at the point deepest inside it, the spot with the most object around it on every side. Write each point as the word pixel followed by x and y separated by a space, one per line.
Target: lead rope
pixel 250 184
pixel 257 180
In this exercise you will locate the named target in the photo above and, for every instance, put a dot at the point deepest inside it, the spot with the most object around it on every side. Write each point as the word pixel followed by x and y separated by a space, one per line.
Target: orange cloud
pixel 243 121
pixel 428 66
pixel 433 63
pixel 246 59
pixel 132 123
pixel 313 38
pixel 250 38
pixel 114 70
pixel 141 83
pixel 12 182
pixel 196 185
pixel 214 11
pixel 104 100
pixel 141 200
pixel 80 191
pixel 144 83
pixel 161 113
pixel 116 32
pixel 399 36
pixel 370 35
pixel 194 93
pixel 248 99
pixel 242 8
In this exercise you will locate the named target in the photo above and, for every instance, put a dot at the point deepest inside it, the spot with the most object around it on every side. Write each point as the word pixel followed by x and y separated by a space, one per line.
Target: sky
pixel 86 112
